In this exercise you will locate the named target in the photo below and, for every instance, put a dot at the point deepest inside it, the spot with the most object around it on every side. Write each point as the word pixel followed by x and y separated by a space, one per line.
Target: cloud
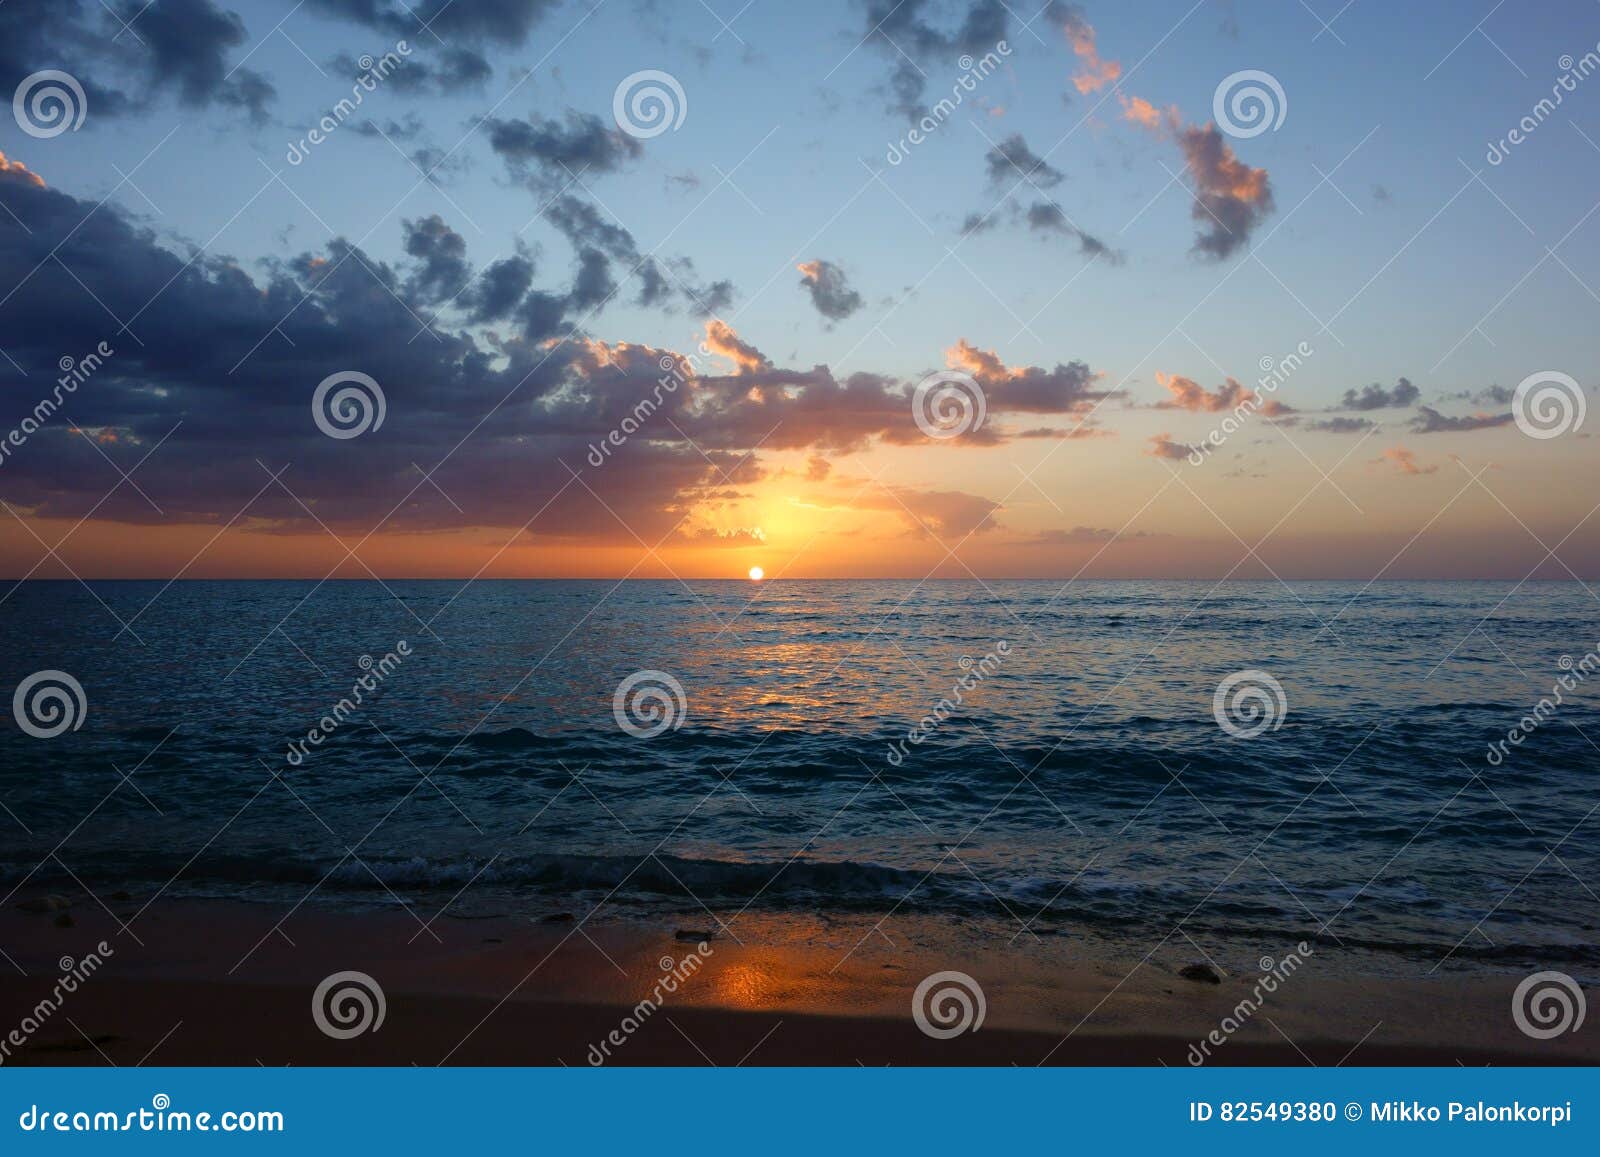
pixel 946 514
pixel 507 23
pixel 1404 461
pixel 1341 425
pixel 523 405
pixel 1188 394
pixel 442 252
pixel 1427 420
pixel 1093 72
pixel 1141 112
pixel 721 340
pixel 830 290
pixel 1162 446
pixel 1084 535
pixel 1012 160
pixel 177 47
pixel 452 70
pixel 1231 198
pixel 18 171
pixel 1376 397
pixel 1067 389
pixel 1048 217
pixel 552 153
pixel 901 33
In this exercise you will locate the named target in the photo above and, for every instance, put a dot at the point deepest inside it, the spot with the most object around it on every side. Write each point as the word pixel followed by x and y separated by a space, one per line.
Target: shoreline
pixel 230 982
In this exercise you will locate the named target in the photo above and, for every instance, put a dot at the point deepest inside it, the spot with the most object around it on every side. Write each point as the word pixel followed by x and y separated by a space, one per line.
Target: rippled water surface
pixel 1082 784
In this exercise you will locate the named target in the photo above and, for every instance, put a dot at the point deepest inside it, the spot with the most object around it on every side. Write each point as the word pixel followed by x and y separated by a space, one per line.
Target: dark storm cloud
pixel 901 32
pixel 1012 160
pixel 445 70
pixel 558 152
pixel 506 23
pixel 830 289
pixel 442 254
pixel 594 235
pixel 1048 217
pixel 177 47
pixel 521 407
pixel 1427 420
pixel 1377 397
pixel 1341 425
pixel 1231 198
pixel 496 293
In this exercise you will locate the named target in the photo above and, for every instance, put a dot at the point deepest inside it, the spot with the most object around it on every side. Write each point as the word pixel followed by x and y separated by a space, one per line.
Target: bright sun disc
pixel 757 574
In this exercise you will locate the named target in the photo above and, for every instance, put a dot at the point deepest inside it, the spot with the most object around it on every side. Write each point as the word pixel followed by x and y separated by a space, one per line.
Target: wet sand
pixel 223 982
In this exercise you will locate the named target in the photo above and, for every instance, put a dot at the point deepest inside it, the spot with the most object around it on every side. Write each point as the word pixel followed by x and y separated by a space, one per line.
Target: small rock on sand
pixel 691 934
pixel 50 903
pixel 1200 973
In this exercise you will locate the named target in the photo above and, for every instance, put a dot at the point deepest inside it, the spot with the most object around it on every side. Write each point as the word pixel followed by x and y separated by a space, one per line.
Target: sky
pixel 852 289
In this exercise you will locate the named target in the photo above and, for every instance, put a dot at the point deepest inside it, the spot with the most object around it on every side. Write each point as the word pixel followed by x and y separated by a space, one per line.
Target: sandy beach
pixel 221 982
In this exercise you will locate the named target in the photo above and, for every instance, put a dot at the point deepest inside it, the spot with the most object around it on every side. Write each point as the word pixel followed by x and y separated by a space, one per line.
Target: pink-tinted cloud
pixel 1404 461
pixel 1231 198
pixel 1094 73
pixel 1141 112
pixel 1028 389
pixel 1162 446
pixel 19 171
pixel 721 340
pixel 1188 394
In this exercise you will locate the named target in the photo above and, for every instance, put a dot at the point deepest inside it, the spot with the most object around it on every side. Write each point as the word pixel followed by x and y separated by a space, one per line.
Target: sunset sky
pixel 1109 267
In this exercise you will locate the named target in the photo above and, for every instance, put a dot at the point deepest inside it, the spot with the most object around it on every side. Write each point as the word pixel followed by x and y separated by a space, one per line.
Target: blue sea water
pixel 1081 785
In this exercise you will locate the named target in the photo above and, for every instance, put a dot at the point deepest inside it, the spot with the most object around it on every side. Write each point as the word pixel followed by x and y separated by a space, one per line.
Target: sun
pixel 757 574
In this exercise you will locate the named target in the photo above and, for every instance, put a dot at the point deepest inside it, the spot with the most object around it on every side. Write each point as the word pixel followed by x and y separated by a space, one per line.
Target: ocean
pixel 1028 756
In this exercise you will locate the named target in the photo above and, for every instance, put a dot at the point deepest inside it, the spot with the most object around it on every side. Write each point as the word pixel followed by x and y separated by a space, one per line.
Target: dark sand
pixel 217 982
